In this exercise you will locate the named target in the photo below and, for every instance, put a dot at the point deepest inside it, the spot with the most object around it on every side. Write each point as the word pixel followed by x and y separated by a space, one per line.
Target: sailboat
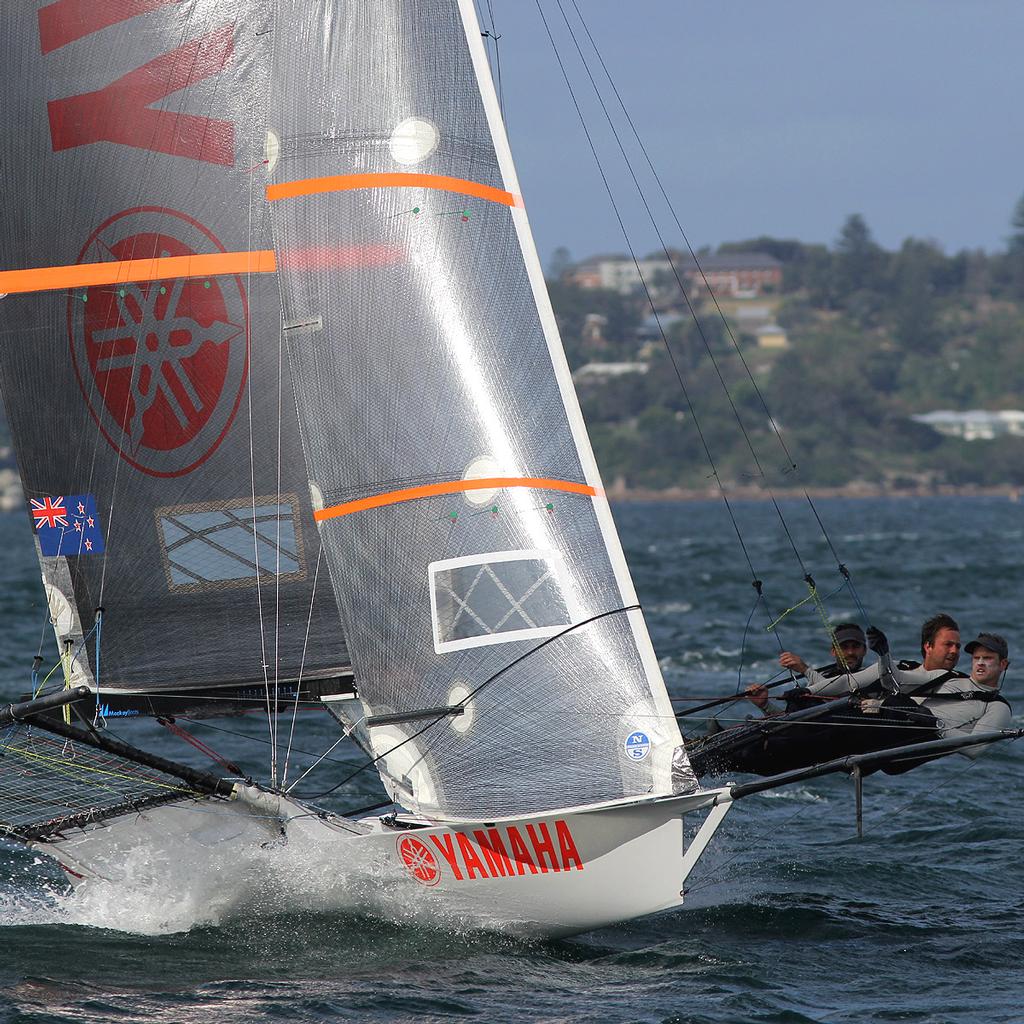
pixel 335 255
pixel 274 318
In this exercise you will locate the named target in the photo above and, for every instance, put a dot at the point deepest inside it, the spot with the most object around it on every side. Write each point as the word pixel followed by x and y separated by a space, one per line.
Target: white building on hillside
pixel 975 424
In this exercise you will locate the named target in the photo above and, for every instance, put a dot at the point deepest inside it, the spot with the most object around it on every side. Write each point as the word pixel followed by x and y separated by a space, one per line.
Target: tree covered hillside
pixel 872 337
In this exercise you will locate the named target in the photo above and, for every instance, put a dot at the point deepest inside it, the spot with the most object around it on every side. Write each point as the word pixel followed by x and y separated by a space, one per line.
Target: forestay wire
pixel 756 581
pixel 791 465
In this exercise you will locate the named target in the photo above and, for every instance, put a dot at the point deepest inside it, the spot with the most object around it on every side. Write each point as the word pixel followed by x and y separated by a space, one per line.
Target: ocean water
pixel 790 917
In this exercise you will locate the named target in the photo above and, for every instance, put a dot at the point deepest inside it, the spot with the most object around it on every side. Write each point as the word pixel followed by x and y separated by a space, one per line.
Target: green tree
pixel 572 304
pixel 560 262
pixel 858 267
pixel 1014 263
pixel 1017 223
pixel 914 309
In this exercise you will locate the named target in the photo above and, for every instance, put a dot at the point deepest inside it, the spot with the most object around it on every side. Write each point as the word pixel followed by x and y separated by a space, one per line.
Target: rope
pixel 650 301
pixel 472 693
pixel 183 734
pixel 302 664
pixel 60 766
pixel 97 628
pixel 746 629
pixel 789 611
pixel 823 615
pixel 59 664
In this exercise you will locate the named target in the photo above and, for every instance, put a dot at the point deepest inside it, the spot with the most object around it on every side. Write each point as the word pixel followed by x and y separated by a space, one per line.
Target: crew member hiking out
pixel 849 649
pixel 960 704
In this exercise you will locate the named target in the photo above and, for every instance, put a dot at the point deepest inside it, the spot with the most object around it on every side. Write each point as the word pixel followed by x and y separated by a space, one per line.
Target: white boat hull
pixel 550 874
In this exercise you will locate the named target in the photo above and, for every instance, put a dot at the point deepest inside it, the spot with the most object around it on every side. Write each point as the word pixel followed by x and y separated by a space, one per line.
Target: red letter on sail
pixel 120 112
pixel 494 851
pixel 570 855
pixel 65 21
pixel 447 850
pixel 520 854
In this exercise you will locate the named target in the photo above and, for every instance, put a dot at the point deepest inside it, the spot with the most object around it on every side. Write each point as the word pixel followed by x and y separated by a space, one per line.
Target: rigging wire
pixel 756 581
pixel 682 287
pixel 790 460
pixel 322 757
pixel 492 35
pixel 252 479
pixel 277 546
pixel 302 663
pixel 206 724
pixel 64 659
pixel 955 773
pixel 472 693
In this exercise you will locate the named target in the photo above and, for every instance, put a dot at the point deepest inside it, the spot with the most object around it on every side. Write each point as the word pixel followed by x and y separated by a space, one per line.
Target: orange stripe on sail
pixel 490 483
pixel 344 182
pixel 84 275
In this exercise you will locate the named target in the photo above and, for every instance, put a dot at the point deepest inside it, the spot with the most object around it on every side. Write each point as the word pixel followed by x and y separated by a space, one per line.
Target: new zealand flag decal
pixel 67 525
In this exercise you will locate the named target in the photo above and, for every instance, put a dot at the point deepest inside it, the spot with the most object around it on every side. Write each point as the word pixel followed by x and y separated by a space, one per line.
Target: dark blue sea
pixel 790 918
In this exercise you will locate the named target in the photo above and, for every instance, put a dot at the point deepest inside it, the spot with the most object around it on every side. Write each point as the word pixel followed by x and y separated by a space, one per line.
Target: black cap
pixel 991 642
pixel 846 631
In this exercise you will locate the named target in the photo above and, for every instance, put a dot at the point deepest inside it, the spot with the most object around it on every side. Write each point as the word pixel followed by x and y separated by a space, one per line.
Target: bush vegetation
pixel 875 337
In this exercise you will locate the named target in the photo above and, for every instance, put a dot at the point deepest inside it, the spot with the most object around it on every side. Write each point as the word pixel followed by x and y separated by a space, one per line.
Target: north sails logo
pixel 491 853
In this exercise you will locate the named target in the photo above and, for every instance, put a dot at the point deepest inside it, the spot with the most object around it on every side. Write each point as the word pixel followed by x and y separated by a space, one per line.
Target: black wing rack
pixel 55 776
pixel 856 765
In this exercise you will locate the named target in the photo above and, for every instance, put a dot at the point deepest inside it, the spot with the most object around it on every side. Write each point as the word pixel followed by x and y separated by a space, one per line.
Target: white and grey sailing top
pixel 961 706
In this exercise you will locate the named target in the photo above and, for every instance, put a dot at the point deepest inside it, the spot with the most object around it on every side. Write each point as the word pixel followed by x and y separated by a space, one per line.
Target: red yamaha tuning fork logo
pixel 419 861
pixel 162 364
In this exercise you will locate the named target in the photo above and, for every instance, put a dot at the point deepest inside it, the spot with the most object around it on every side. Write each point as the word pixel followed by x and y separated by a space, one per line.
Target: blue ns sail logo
pixel 637 746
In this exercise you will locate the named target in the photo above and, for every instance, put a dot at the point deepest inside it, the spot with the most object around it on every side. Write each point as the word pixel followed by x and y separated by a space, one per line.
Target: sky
pixel 777 118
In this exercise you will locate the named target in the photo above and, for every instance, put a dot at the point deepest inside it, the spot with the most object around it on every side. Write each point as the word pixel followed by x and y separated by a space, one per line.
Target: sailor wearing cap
pixel 845 673
pixel 972 704
pixel 989 659
pixel 848 648
pixel 940 651
pixel 962 705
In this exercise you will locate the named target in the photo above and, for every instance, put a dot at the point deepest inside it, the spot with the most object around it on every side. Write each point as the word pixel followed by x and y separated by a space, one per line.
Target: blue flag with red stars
pixel 67 525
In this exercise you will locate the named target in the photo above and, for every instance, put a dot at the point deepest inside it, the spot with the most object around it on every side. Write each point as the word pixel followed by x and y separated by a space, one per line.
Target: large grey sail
pixel 434 365
pixel 152 424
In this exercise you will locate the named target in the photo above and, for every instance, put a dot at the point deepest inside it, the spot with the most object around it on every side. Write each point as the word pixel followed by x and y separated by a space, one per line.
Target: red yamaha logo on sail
pixel 162 364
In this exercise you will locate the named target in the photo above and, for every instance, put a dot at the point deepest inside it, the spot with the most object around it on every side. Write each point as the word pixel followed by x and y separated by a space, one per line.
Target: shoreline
pixel 853 490
pixel 11 497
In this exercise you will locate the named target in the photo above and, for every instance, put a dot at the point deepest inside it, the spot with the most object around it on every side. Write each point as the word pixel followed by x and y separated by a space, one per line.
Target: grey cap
pixel 850 631
pixel 991 642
